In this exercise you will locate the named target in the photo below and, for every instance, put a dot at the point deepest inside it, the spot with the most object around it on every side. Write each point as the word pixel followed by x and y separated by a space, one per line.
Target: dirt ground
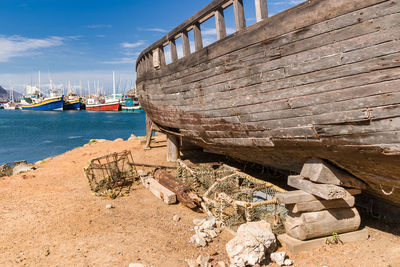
pixel 49 217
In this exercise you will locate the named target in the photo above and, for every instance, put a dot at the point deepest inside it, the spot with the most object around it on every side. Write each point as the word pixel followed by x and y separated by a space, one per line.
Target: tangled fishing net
pixel 111 175
pixel 234 197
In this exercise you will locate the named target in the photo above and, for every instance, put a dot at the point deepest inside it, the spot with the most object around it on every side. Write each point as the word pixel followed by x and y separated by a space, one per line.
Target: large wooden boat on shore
pixel 321 79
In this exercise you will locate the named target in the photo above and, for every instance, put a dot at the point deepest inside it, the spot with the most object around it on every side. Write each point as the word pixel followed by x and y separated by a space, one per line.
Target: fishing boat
pixel 131 104
pixel 107 104
pixel 72 102
pixel 41 103
pixel 319 80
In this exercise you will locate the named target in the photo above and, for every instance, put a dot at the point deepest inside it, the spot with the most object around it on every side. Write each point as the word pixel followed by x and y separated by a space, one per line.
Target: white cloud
pixel 18 46
pixel 152 30
pixel 97 26
pixel 121 61
pixel 133 45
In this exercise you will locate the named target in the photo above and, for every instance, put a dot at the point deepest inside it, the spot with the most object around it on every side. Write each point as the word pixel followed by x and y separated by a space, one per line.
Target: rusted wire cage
pixel 234 197
pixel 111 175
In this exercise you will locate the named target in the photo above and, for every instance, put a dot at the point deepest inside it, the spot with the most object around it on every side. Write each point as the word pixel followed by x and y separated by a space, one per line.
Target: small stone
pixel 118 140
pixel 278 258
pixel 176 218
pixel 203 260
pixel 47 252
pixel 201 241
pixel 288 262
pixel 221 264
pixel 208 224
pixel 211 233
pixel 218 231
pixel 198 222
pixel 109 206
pixel 136 265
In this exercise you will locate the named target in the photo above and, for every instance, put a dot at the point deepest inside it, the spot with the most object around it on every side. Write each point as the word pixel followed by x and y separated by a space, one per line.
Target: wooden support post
pixel 149 132
pixel 185 44
pixel 325 191
pixel 198 40
pixel 162 56
pixel 321 172
pixel 220 23
pixel 261 10
pixel 240 20
pixel 174 52
pixel 172 148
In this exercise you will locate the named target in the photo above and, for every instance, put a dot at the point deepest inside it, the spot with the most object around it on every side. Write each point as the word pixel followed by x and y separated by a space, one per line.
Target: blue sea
pixel 34 136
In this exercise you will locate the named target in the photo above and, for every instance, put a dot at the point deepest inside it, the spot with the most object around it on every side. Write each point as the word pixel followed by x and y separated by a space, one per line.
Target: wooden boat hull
pixel 319 80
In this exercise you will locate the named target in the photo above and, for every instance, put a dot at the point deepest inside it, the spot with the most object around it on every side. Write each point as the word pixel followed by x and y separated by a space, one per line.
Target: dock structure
pixel 319 80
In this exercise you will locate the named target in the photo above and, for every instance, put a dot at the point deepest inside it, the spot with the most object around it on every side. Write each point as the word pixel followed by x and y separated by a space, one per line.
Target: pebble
pixel 176 218
pixel 136 265
pixel 109 206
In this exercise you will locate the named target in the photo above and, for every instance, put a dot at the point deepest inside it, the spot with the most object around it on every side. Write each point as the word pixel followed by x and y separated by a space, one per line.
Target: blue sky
pixel 73 40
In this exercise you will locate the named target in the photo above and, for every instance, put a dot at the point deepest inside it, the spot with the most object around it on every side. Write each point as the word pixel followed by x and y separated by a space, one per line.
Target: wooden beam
pixel 318 205
pixel 322 223
pixel 321 172
pixel 261 10
pixel 185 44
pixel 295 196
pixel 174 52
pixel 198 40
pixel 240 20
pixel 325 191
pixel 220 23
pixel 172 148
pixel 162 56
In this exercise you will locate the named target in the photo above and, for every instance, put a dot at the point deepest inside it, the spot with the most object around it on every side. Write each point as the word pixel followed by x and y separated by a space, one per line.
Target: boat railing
pixel 153 57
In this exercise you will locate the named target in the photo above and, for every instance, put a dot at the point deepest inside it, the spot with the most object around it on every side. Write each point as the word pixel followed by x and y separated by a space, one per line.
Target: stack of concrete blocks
pixel 323 205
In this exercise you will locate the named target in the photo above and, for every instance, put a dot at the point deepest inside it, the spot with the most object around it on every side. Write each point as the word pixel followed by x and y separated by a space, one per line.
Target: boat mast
pixel 114 84
pixel 39 82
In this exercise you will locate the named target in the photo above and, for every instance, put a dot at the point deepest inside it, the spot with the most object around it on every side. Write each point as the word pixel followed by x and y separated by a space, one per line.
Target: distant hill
pixel 3 94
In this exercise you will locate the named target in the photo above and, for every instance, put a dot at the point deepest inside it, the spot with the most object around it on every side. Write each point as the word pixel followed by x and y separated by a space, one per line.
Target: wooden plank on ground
pixel 295 246
pixel 160 191
pixel 319 171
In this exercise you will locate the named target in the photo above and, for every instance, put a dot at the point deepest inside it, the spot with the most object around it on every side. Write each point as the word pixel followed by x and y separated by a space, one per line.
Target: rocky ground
pixel 49 217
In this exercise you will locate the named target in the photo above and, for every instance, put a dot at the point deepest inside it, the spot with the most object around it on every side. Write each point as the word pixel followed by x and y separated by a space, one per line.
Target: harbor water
pixel 34 136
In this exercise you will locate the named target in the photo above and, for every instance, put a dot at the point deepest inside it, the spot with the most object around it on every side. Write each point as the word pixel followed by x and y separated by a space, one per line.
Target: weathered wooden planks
pixel 318 205
pixel 325 191
pixel 327 79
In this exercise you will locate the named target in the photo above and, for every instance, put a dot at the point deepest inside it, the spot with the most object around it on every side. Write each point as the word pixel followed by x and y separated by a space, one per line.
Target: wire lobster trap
pixel 111 175
pixel 234 197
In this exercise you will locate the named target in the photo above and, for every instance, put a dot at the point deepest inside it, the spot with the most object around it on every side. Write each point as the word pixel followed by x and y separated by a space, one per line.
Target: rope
pixel 386 193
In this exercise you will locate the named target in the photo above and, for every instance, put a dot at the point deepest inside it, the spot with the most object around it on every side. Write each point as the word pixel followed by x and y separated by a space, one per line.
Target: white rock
pixel 278 258
pixel 244 250
pixel 261 230
pixel 203 260
pixel 136 265
pixel 288 262
pixel 109 206
pixel 21 167
pixel 176 218
pixel 198 222
pixel 118 140
pixel 221 264
pixel 209 224
pixel 211 233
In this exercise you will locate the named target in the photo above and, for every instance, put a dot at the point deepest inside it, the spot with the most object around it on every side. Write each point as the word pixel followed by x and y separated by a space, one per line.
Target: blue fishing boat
pixel 42 103
pixel 72 102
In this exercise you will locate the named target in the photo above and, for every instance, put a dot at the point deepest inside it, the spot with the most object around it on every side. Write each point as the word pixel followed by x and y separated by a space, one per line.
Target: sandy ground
pixel 49 217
